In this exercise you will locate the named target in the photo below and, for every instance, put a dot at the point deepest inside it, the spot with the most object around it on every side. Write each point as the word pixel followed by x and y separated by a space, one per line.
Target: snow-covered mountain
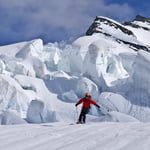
pixel 125 33
pixel 41 83
pixel 141 28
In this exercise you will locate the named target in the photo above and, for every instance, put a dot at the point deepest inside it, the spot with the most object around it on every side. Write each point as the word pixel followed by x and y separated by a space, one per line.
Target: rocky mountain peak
pixel 136 23
pixel 102 24
pixel 141 18
pixel 121 33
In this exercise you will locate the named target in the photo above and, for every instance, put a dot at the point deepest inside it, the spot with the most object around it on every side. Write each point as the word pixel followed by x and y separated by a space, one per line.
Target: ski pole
pixel 105 109
pixel 102 111
pixel 77 111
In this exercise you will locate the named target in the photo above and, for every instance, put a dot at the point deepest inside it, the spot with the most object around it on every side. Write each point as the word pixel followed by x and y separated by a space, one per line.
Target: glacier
pixel 41 83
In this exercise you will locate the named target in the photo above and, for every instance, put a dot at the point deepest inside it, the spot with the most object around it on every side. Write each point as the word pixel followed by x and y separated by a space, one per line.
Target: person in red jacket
pixel 85 107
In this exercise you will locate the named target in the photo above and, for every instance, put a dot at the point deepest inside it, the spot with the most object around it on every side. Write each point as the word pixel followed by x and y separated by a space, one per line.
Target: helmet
pixel 87 94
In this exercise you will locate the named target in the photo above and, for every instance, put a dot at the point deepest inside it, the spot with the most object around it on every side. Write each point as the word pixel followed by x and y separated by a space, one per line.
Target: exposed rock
pixel 138 18
pixel 134 46
pixel 96 26
pixel 143 19
pixel 102 25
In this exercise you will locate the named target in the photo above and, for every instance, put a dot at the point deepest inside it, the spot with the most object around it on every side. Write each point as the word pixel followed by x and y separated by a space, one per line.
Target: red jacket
pixel 86 102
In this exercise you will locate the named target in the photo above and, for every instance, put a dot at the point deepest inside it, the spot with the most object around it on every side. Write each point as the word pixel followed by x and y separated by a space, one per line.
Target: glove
pixel 76 105
pixel 98 106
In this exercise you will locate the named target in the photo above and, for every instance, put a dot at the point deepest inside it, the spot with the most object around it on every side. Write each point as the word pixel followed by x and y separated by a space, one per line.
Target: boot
pixel 79 122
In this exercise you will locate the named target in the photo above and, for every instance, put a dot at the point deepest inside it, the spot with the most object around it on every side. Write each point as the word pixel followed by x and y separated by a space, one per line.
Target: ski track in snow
pixel 63 136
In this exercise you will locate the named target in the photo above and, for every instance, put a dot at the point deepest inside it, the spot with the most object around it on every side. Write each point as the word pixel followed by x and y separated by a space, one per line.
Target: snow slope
pixel 56 136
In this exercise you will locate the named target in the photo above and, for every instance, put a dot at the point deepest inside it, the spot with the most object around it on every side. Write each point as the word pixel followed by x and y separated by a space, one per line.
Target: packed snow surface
pixel 66 136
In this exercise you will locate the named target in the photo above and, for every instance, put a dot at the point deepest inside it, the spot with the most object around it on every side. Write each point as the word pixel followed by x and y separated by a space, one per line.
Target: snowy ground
pixel 64 136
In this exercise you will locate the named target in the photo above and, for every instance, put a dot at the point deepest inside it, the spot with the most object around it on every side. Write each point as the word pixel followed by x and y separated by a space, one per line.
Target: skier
pixel 85 108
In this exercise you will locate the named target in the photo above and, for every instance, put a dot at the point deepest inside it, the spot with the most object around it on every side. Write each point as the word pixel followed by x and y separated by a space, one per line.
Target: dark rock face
pixel 135 25
pixel 140 19
pixel 96 26
pixel 134 46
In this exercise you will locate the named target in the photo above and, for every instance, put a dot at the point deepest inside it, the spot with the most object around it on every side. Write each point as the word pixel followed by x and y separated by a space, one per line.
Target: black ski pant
pixel 83 113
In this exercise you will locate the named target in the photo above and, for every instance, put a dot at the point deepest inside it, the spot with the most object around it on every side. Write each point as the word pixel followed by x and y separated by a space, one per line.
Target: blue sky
pixel 56 20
